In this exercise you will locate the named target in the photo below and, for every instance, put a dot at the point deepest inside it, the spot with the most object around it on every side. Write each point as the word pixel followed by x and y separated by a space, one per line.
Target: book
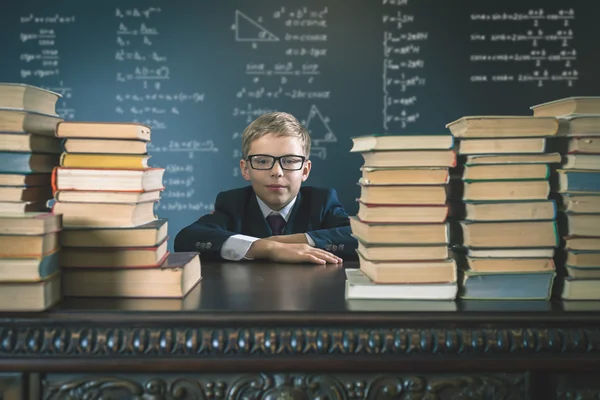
pixel 359 286
pixel 30 296
pixel 582 242
pixel 24 142
pixel 401 213
pixel 403 194
pixel 410 158
pixel 505 172
pixel 502 146
pixel 580 125
pixel 518 234
pixel 105 146
pixel 540 252
pixel 506 190
pixel 587 203
pixel 28 246
pixel 580 289
pixel 25 179
pixel 31 269
pixel 383 252
pixel 568 105
pixel 405 271
pixel 506 286
pixel 103 130
pixel 24 194
pixel 403 176
pixel 175 278
pixel 105 179
pixel 104 161
pixel 582 181
pixel 23 97
pixel 105 214
pixel 401 142
pixel 582 161
pixel 146 235
pixel 114 257
pixel 10 207
pixel 33 223
pixel 480 159
pixel 506 265
pixel 11 162
pixel 27 121
pixel 387 232
pixel 510 211
pixel 497 126
pixel 101 196
pixel 580 224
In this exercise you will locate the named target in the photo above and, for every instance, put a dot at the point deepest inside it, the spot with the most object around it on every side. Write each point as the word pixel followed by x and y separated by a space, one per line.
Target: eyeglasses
pixel 288 162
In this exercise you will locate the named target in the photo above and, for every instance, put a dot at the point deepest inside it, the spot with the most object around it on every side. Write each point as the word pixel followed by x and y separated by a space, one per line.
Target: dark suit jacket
pixel 316 211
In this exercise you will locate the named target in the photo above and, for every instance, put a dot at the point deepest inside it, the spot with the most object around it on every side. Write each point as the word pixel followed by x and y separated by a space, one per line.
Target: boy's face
pixel 276 186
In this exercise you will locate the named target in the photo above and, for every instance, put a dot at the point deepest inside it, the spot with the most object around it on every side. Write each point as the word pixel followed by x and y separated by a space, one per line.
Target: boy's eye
pixel 262 160
pixel 291 160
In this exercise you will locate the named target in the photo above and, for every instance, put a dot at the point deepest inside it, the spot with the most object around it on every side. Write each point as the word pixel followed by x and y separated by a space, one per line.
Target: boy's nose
pixel 277 170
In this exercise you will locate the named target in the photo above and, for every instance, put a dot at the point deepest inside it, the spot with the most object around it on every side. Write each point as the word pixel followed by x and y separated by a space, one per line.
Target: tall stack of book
pixel 578 188
pixel 509 230
pixel 401 225
pixel 29 243
pixel 113 245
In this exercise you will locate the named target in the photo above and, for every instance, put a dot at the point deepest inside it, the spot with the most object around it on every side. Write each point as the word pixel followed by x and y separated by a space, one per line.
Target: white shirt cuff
pixel 236 247
pixel 310 240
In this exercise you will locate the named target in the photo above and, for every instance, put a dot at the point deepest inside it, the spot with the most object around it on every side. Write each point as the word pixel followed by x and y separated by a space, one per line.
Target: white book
pixel 359 286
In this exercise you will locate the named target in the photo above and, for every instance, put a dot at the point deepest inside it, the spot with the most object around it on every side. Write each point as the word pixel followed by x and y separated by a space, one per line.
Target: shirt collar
pixel 284 212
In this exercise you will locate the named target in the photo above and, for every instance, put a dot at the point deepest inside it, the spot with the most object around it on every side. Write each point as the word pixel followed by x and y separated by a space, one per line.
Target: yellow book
pixel 105 161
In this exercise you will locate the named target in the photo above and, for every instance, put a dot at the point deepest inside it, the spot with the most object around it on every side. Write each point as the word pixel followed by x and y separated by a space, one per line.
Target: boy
pixel 274 218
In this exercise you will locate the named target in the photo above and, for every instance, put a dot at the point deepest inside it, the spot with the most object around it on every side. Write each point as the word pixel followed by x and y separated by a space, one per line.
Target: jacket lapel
pixel 298 221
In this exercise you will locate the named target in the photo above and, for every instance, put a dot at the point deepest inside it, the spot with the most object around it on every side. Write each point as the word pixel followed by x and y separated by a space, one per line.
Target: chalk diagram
pixel 320 132
pixel 248 30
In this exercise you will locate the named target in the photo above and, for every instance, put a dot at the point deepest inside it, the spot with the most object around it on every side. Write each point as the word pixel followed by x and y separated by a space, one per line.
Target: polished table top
pixel 250 289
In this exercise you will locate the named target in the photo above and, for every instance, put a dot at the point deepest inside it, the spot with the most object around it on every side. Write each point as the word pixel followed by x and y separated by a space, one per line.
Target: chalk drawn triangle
pixel 248 30
pixel 318 127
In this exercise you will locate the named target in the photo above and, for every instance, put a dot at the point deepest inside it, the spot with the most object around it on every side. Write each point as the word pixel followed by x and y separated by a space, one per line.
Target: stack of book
pixel 509 230
pixel 29 243
pixel 578 193
pixel 113 245
pixel 401 223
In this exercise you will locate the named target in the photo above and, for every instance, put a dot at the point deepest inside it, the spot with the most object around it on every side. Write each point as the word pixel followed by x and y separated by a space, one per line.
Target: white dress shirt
pixel 236 246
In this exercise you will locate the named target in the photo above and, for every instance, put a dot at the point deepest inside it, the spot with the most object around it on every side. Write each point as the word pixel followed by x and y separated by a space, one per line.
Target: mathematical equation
pixel 280 92
pixel 186 206
pixel 551 55
pixel 401 49
pixel 185 146
pixel 41 63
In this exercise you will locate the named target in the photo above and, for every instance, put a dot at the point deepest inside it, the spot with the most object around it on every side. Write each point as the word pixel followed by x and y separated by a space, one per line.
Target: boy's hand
pixel 293 238
pixel 291 252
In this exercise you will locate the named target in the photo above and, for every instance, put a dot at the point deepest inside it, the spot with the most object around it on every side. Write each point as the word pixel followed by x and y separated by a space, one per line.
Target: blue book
pixel 27 162
pixel 578 181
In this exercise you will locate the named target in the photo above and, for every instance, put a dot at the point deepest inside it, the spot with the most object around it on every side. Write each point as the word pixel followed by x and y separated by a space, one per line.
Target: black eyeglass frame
pixel 275 159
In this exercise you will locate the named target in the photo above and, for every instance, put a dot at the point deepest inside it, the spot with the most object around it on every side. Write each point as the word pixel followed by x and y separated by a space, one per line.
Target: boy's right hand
pixel 291 252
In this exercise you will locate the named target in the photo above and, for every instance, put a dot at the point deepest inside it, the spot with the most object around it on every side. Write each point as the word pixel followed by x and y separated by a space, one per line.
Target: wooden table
pixel 275 331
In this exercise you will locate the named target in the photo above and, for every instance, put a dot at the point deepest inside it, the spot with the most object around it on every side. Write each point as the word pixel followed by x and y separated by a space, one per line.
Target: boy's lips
pixel 275 187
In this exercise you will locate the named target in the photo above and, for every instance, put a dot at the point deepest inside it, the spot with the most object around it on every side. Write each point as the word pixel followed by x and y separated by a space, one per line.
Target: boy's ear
pixel 244 169
pixel 306 170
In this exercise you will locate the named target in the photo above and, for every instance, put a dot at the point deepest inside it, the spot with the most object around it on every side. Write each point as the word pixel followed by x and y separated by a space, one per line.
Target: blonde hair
pixel 277 124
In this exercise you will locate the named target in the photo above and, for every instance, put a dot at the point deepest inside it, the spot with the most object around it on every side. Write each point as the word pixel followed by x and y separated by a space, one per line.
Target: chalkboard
pixel 198 72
